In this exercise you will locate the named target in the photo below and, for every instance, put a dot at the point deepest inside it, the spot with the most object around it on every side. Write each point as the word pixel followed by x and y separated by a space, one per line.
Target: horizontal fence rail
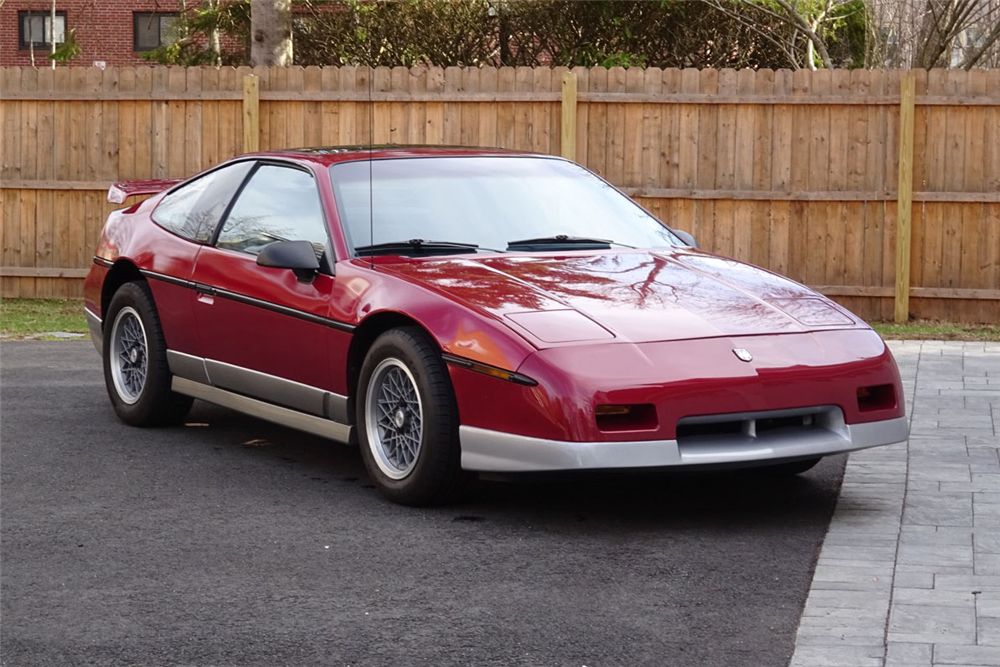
pixel 661 193
pixel 609 98
pixel 839 179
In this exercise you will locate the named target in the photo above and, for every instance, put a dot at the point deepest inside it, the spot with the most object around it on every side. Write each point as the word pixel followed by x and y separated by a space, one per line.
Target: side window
pixel 277 204
pixel 194 210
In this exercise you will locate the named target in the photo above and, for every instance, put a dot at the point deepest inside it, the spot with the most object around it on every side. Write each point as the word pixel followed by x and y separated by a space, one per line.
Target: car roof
pixel 327 155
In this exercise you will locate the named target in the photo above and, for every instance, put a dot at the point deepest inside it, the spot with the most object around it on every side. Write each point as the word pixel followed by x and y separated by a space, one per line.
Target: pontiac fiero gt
pixel 457 311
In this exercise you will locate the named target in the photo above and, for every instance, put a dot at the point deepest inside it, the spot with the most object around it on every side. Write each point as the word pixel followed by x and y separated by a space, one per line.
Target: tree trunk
pixel 271 33
pixel 214 42
pixel 810 54
pixel 504 39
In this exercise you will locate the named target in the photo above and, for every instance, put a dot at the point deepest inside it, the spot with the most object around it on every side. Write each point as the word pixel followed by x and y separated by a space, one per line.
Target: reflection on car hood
pixel 632 296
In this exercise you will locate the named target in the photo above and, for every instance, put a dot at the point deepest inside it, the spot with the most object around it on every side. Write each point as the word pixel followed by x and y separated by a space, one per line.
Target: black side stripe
pixel 250 301
pixel 162 277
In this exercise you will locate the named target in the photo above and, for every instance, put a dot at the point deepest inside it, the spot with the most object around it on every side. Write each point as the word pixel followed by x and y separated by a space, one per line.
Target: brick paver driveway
pixel 909 574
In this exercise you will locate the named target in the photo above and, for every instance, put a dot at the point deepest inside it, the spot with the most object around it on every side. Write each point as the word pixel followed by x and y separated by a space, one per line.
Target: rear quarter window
pixel 193 210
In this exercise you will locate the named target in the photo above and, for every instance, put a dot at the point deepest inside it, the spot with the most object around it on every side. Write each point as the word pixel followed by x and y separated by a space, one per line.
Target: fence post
pixel 904 192
pixel 251 113
pixel 568 129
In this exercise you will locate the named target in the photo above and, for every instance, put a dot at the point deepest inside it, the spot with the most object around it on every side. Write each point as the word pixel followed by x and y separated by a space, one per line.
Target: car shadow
pixel 627 499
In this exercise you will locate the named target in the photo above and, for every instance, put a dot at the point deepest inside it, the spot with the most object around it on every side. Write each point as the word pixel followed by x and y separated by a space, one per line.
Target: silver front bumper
pixel 494 451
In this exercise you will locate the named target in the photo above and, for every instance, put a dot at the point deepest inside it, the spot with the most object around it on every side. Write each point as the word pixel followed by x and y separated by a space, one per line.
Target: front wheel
pixel 135 361
pixel 408 420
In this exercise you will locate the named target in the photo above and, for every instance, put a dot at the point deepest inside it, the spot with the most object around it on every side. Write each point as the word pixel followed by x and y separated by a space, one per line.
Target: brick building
pixel 115 32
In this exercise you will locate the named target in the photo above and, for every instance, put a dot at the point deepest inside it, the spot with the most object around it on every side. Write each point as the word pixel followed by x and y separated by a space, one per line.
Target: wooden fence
pixel 797 172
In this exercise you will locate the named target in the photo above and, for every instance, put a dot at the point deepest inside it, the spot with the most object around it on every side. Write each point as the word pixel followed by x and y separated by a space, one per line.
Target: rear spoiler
pixel 122 190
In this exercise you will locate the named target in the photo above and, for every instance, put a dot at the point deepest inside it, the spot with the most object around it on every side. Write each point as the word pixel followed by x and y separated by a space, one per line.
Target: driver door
pixel 263 331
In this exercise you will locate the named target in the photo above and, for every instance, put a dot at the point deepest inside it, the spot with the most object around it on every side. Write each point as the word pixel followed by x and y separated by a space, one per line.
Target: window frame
pixel 135 29
pixel 329 259
pixel 23 44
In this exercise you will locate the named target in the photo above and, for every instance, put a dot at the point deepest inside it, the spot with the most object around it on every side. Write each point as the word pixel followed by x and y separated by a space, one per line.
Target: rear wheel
pixel 135 361
pixel 408 420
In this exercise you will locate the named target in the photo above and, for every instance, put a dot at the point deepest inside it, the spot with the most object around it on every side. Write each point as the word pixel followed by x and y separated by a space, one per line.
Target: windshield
pixel 486 201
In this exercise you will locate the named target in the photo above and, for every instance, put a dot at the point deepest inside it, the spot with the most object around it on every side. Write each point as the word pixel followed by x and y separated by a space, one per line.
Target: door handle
pixel 205 293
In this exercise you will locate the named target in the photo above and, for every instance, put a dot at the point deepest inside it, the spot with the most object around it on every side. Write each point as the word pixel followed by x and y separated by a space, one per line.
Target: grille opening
pixel 716 428
pixel 878 397
pixel 750 427
pixel 778 423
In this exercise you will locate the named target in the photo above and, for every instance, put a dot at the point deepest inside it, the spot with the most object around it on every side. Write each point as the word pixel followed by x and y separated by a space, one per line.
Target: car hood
pixel 634 296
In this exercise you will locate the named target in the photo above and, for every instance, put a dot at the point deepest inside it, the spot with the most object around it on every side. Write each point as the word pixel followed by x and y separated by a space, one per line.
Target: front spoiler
pixel 494 451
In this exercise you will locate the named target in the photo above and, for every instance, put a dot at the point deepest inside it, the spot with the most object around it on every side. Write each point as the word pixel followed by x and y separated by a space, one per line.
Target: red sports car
pixel 457 311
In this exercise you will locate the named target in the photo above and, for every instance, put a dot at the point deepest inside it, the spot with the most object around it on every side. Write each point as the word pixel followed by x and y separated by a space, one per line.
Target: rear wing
pixel 122 190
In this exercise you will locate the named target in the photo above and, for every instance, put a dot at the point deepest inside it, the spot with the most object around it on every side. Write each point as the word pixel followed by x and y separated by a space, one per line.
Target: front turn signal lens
pixel 638 417
pixel 608 410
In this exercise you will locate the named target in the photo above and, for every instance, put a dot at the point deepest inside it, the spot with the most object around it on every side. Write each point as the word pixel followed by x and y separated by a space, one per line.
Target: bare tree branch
pixel 748 24
pixel 974 57
pixel 809 32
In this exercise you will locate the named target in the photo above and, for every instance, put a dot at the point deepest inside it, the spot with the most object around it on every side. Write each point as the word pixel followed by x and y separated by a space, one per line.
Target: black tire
pixel 155 404
pixel 436 475
pixel 790 468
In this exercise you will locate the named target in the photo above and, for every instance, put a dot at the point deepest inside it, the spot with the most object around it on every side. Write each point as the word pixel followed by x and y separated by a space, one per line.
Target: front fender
pixel 460 330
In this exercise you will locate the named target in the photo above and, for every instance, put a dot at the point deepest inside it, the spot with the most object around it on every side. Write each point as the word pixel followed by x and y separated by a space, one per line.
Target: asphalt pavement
pixel 231 541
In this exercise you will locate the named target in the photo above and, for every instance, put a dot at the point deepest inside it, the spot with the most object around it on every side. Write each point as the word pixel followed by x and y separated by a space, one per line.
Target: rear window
pixel 194 210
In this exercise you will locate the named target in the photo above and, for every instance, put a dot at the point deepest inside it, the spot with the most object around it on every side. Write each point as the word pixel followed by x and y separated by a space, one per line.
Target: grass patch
pixel 929 330
pixel 30 317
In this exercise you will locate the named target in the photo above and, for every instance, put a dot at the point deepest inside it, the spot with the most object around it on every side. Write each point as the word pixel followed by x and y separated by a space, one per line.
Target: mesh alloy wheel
pixel 129 355
pixel 394 418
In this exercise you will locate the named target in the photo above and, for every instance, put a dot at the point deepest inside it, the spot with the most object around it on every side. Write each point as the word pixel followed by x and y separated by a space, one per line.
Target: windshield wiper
pixel 563 242
pixel 419 247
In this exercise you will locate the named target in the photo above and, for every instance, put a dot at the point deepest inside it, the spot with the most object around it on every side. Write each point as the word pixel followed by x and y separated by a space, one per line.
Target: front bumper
pixel 494 451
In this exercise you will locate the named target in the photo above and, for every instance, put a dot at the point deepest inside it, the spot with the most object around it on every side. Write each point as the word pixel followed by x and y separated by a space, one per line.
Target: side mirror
pixel 299 256
pixel 684 236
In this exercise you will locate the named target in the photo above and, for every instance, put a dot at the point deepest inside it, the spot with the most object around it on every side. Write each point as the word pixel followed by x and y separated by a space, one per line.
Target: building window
pixel 151 30
pixel 35 29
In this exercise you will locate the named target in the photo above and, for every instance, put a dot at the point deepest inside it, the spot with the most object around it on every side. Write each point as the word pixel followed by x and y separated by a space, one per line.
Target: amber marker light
pixel 638 417
pixel 486 369
pixel 612 410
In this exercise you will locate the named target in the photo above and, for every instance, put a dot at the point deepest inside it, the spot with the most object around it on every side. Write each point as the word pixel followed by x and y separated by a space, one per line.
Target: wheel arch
pixel 365 335
pixel 123 271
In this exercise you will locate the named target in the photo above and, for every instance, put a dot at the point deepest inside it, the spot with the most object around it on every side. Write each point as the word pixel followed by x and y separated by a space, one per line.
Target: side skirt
pixel 263 410
pixel 95 325
pixel 268 388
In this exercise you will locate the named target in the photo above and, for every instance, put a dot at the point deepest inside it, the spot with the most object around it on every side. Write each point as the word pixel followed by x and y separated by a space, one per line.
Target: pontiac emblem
pixel 742 354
